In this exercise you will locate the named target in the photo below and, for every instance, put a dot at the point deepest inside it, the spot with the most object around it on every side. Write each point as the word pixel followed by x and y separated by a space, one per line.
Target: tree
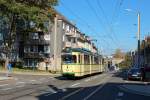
pixel 28 10
pixel 127 61
pixel 118 54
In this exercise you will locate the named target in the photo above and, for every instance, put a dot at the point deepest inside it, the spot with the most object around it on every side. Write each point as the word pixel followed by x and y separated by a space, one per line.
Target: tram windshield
pixel 69 59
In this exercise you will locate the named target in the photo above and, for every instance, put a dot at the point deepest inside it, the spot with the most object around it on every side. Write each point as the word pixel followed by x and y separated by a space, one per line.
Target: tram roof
pixel 82 50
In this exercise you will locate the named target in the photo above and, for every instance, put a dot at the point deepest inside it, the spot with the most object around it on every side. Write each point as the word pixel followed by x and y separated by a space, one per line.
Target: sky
pixel 113 23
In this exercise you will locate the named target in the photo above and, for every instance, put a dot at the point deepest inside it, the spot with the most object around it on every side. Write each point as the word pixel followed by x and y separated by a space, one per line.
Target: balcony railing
pixel 71 33
pixel 68 44
pixel 36 55
pixel 38 41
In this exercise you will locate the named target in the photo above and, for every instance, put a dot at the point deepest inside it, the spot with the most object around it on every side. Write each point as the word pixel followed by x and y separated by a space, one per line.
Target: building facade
pixel 43 50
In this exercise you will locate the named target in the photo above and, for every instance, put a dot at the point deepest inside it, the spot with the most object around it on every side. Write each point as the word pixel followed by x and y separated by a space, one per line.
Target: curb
pixel 28 73
pixel 133 91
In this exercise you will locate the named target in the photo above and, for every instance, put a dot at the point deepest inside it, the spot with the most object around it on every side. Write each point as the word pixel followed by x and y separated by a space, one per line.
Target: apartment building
pixel 42 50
pixel 66 35
pixel 34 49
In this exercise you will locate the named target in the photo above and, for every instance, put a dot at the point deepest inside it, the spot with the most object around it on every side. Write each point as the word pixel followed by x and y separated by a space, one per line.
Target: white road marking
pixel 16 79
pixel 42 79
pixel 65 97
pixel 120 94
pixel 102 82
pixel 20 83
pixel 20 86
pixel 64 90
pixel 75 84
pixel 32 80
pixel 50 91
pixel 100 87
pixel 4 85
pixel 87 80
pixel 6 89
pixel 49 94
pixel 95 77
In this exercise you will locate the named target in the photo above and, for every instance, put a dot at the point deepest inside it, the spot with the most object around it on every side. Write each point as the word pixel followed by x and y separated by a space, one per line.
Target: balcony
pixel 36 55
pixel 37 42
pixel 68 44
pixel 70 33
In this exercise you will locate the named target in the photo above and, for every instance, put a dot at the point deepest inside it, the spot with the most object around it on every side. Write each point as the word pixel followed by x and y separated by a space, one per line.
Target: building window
pixel 46 49
pixel 63 25
pixel 67 28
pixel 35 48
pixel 63 38
pixel 26 49
pixel 35 36
pixel 68 39
pixel 74 40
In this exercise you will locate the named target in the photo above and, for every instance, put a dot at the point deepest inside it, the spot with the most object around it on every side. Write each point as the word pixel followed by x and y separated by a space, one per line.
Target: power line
pixel 106 18
pixel 82 20
pixel 99 19
pixel 117 9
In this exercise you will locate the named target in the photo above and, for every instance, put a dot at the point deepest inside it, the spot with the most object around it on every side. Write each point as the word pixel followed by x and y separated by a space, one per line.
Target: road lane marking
pixel 120 94
pixel 94 77
pixel 50 91
pixel 87 80
pixel 20 86
pixel 100 87
pixel 7 89
pixel 102 82
pixel 32 80
pixel 42 79
pixel 64 90
pixel 4 85
pixel 20 83
pixel 65 97
pixel 75 84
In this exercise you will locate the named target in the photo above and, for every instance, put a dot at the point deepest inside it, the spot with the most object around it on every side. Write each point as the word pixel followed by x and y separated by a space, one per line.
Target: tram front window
pixel 69 59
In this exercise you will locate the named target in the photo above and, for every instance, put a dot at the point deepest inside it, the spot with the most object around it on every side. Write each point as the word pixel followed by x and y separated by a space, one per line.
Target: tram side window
pixel 74 59
pixel 86 59
pixel 96 60
pixel 79 59
pixel 69 59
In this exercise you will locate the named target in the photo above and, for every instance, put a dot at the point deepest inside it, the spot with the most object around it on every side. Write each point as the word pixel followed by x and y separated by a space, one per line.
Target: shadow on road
pixel 75 78
pixel 108 92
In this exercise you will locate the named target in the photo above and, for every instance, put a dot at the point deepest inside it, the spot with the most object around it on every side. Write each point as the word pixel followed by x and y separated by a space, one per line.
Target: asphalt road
pixel 98 87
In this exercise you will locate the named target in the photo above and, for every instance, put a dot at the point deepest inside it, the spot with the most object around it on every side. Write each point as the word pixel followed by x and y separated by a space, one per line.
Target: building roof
pixel 62 17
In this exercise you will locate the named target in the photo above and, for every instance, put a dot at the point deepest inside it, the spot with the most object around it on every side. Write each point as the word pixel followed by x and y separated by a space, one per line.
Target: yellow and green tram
pixel 80 62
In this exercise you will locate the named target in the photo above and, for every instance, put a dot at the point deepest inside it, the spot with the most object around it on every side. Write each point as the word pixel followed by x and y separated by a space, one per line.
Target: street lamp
pixel 138 36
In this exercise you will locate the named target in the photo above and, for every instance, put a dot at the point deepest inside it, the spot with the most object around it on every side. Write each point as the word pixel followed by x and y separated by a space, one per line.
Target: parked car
pixel 134 73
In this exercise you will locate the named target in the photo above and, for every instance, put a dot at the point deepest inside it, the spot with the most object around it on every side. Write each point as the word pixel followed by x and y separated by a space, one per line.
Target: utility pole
pixel 138 37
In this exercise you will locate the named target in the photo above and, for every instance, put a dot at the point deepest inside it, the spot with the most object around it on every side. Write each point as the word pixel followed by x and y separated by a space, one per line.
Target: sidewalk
pixel 31 73
pixel 136 89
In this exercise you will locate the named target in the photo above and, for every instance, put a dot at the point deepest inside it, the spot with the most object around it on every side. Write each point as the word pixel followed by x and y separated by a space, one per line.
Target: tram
pixel 79 62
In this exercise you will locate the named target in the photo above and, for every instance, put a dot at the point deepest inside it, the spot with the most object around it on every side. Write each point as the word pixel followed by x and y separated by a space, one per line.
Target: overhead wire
pixel 83 22
pixel 107 21
pixel 100 21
